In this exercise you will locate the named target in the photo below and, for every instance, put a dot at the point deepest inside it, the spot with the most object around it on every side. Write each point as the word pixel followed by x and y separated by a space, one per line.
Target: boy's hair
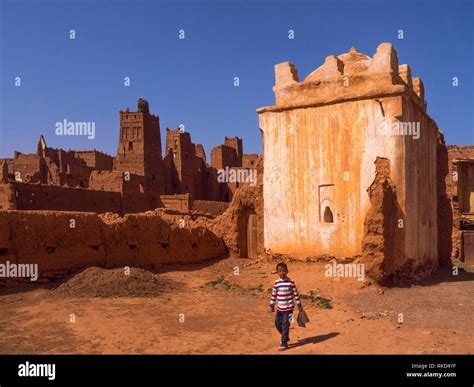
pixel 283 265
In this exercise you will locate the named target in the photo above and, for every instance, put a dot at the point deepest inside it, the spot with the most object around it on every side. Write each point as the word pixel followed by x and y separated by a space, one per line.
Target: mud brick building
pixel 137 179
pixel 460 188
pixel 351 164
pixel 353 168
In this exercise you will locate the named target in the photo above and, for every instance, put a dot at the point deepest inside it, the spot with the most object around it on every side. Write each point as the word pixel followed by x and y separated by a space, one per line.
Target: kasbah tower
pixel 139 148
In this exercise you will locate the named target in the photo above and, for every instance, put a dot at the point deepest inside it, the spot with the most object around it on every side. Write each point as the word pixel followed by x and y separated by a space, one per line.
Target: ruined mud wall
pixel 383 244
pixel 95 159
pixel 7 197
pixel 48 239
pixel 231 224
pixel 30 197
pixel 181 203
pixel 27 167
pixel 210 207
pixel 56 198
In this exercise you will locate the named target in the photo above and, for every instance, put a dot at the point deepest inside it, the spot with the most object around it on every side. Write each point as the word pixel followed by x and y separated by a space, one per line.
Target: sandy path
pixel 437 316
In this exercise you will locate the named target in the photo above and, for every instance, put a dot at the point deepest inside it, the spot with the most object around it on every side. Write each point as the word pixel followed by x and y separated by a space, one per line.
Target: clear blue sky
pixel 190 81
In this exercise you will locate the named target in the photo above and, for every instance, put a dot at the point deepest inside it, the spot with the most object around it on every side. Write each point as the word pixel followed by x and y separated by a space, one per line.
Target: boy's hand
pixel 272 308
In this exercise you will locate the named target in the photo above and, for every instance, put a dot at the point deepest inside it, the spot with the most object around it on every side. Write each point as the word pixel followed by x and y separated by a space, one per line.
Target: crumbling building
pixel 350 166
pixel 137 179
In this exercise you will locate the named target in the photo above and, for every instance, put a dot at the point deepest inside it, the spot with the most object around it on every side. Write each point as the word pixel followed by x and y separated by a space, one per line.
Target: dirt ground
pixel 211 310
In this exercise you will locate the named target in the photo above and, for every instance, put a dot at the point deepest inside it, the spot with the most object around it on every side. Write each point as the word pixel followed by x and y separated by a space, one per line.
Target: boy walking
pixel 285 294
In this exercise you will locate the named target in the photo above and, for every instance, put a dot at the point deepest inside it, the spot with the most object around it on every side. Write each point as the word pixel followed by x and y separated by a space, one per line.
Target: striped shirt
pixel 284 291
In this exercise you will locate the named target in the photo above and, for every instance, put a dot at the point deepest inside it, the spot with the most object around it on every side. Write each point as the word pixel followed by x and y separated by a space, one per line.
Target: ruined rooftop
pixel 349 76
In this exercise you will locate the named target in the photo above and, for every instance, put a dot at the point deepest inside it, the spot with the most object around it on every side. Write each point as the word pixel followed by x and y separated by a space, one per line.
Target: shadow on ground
pixel 314 340
pixel 440 275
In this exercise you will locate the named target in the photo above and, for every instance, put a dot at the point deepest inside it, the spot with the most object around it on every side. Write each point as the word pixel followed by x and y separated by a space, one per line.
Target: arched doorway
pixel 248 234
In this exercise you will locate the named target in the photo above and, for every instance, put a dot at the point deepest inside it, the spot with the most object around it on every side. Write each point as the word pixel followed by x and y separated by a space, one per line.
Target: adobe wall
pixel 95 159
pixel 50 197
pixel 29 197
pixel 107 181
pixel 56 167
pixel 7 197
pixel 236 144
pixel 230 225
pixel 144 240
pixel 210 207
pixel 115 181
pixel 184 203
pixel 184 171
pixel 419 200
pixel 249 161
pixel 445 210
pixel 181 203
pixel 222 156
pixel 28 167
pixel 212 191
pixel 456 152
pixel 299 165
pixel 200 152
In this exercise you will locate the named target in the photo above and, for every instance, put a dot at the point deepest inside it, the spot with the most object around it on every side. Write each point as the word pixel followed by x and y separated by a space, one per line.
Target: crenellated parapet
pixel 349 76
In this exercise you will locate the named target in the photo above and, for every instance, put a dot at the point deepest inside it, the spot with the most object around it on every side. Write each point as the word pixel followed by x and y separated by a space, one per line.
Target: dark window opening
pixel 130 145
pixel 328 217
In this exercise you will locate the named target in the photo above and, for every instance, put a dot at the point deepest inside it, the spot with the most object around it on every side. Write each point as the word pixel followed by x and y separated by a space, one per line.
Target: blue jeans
pixel 282 324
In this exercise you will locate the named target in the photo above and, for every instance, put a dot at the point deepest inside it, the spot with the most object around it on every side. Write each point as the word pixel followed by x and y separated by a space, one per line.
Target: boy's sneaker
pixel 283 347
